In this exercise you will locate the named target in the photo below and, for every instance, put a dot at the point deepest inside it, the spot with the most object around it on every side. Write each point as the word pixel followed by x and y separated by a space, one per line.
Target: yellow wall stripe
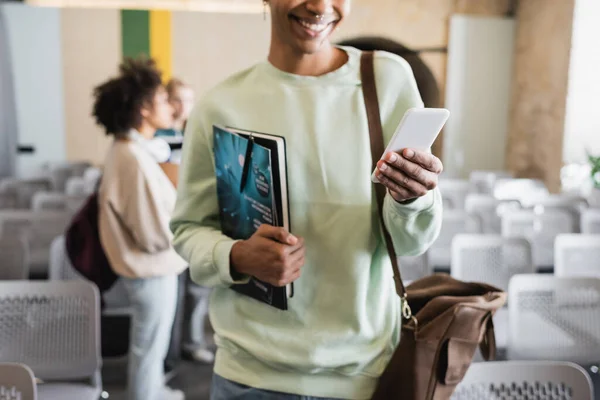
pixel 160 41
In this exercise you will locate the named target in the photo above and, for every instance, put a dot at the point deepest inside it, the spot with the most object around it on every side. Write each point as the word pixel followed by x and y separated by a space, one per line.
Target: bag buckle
pixel 406 311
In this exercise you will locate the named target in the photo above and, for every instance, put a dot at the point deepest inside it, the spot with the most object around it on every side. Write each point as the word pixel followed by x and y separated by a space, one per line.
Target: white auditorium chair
pixel 414 267
pixel 490 259
pixel 39 228
pixel 454 192
pixel 92 177
pixel 116 299
pixel 525 191
pixel 590 221
pixel 17 382
pixel 61 172
pixel 75 186
pixel 573 204
pixel 55 201
pixel 554 318
pixel 494 260
pixel 8 200
pixel 454 222
pixel 54 328
pixel 577 255
pixel 483 181
pixel 14 258
pixel 489 210
pixel 525 380
pixel 540 229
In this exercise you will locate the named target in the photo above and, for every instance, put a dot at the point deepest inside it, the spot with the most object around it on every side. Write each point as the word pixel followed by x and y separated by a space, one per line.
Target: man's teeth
pixel 313 27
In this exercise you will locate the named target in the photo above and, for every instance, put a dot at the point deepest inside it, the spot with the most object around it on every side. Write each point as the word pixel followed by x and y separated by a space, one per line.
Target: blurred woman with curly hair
pixel 136 201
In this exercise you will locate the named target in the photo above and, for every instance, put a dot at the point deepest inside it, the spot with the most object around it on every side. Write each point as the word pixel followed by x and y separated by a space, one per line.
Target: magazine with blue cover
pixel 247 199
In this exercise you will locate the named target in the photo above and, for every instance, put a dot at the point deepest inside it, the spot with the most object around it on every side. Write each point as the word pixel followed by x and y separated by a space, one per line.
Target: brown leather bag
pixel 444 320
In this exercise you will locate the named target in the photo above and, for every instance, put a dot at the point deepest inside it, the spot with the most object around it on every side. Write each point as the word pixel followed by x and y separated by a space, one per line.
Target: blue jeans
pixel 153 303
pixel 223 389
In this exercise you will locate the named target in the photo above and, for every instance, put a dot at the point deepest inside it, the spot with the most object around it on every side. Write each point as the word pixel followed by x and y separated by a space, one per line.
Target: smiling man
pixel 343 321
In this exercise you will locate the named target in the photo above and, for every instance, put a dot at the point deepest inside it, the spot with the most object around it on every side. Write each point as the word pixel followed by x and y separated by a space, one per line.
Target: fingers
pixel 424 159
pixel 277 233
pixel 398 181
pixel 406 173
pixel 286 280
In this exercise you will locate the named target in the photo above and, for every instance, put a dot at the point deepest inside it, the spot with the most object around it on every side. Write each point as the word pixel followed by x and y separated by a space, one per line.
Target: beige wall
pixel 91 53
pixel 540 89
pixel 209 47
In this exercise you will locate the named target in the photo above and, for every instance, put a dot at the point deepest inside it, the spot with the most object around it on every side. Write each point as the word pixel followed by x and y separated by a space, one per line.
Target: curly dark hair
pixel 117 102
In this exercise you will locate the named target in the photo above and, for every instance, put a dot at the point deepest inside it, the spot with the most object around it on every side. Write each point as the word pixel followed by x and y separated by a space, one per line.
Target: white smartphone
pixel 417 130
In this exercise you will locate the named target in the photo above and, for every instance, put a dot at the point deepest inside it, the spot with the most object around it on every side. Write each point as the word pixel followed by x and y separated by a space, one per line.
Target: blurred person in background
pixel 136 201
pixel 181 98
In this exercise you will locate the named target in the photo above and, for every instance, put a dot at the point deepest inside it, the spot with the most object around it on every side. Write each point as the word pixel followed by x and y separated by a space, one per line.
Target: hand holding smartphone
pixel 417 130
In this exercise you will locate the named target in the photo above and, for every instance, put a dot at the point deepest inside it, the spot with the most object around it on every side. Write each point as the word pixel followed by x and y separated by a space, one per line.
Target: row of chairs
pixel 495 258
pixel 540 228
pixel 71 179
pixel 492 380
pixel 38 211
pixel 53 328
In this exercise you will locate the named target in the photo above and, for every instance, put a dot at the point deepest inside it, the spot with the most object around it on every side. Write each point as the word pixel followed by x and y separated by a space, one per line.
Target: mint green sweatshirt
pixel 343 321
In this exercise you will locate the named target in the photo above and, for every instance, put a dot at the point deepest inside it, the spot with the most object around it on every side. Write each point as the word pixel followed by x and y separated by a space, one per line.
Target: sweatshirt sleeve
pixel 414 226
pixel 195 223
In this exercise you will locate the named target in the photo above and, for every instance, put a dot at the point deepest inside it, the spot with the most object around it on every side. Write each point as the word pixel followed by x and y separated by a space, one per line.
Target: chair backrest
pixel 539 380
pixel 17 382
pixel 49 201
pixel 54 201
pixel 553 318
pixel 39 228
pixel 92 176
pixel 61 172
pixel 490 210
pixel 414 267
pixel 116 298
pixel 60 267
pixel 8 200
pixel 490 259
pixel 573 204
pixel 454 192
pixel 483 181
pixel 75 186
pixel 590 221
pixel 540 229
pixel 454 222
pixel 525 191
pixel 14 258
pixel 577 255
pixel 52 326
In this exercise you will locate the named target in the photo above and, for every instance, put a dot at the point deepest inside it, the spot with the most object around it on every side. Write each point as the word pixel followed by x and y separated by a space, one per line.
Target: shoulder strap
pixel 367 72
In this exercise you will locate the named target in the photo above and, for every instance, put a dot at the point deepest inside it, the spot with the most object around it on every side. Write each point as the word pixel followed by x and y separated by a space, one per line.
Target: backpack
pixel 84 249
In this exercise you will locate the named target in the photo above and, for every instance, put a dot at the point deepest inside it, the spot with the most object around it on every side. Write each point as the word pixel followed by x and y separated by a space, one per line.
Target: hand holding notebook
pixel 271 254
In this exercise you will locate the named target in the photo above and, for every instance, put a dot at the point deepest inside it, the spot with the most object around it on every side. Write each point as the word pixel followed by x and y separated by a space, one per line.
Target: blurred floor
pixel 191 377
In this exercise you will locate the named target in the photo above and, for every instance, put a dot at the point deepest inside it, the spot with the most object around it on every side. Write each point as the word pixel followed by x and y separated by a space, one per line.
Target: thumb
pixel 279 234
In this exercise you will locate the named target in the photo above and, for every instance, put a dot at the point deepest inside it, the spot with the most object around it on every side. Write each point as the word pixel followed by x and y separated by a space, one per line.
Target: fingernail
pixel 409 153
pixel 392 157
pixel 292 239
pixel 383 167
